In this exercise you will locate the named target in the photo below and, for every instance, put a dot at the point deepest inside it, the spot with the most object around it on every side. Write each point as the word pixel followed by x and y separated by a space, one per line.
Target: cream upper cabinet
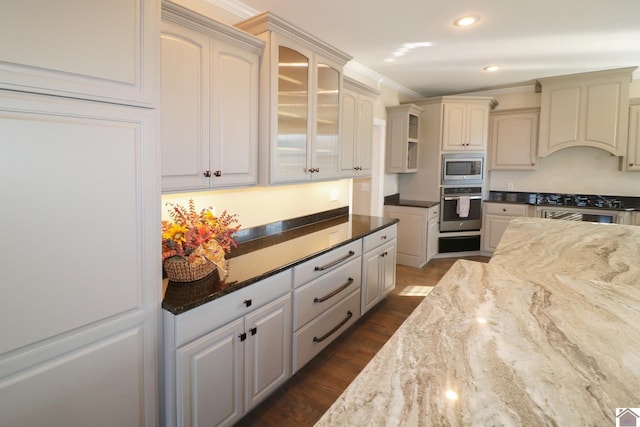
pixel 588 109
pixel 513 136
pixel 403 133
pixel 358 103
pixel 210 76
pixel 87 49
pixel 300 98
pixel 632 161
pixel 465 125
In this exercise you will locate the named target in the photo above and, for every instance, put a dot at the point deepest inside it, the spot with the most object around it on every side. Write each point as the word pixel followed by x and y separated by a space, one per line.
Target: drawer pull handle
pixel 337 291
pixel 336 262
pixel 448 199
pixel 248 303
pixel 338 326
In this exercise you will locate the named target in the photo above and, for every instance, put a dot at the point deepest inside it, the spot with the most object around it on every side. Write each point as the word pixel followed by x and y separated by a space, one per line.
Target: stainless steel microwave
pixel 462 168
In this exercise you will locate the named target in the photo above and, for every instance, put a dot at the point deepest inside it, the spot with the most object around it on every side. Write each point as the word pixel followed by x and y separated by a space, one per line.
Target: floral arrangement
pixel 198 237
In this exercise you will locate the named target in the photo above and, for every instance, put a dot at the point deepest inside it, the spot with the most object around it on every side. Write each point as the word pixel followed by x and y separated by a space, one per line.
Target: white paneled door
pixel 80 273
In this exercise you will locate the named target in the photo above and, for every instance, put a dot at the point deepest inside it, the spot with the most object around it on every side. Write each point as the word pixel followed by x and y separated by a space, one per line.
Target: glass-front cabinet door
pixel 290 159
pixel 325 159
pixel 300 99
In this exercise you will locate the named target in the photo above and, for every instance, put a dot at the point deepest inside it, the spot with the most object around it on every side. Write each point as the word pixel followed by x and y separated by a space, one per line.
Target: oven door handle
pixel 458 198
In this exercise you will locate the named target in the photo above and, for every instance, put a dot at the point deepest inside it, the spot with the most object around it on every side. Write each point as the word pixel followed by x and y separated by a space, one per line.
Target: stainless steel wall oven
pixel 461 209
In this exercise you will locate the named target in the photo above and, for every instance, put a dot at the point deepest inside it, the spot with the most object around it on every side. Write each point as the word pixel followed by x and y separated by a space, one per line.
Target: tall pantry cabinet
pixel 78 156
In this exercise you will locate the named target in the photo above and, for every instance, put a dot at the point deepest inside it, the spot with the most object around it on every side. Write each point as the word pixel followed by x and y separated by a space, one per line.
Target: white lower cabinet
pixel 309 340
pixel 417 233
pixel 224 357
pixel 326 300
pixel 378 266
pixel 209 375
pixel 495 220
pixel 225 372
pixel 433 231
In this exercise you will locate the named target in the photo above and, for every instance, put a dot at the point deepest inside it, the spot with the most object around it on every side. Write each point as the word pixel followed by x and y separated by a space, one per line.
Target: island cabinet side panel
pixel 88 49
pixel 81 297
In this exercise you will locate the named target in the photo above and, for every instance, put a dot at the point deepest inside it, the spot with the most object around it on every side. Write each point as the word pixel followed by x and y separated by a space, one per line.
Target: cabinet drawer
pixel 505 209
pixel 322 264
pixel 319 295
pixel 318 334
pixel 209 316
pixel 434 213
pixel 379 237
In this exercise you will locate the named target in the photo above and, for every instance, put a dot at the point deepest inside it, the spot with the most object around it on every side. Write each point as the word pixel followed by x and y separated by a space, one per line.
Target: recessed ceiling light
pixel 465 21
pixel 491 68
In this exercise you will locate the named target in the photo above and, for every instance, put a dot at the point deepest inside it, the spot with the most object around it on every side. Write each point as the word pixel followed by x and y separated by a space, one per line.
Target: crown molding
pixel 234 6
pixel 176 13
pixel 382 80
pixel 244 12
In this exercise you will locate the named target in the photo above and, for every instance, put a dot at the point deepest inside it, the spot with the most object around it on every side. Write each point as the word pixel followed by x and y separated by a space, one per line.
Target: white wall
pixel 263 205
pixel 580 170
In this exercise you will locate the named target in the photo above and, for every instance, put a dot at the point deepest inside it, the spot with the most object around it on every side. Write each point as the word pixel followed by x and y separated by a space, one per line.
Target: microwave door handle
pixel 457 198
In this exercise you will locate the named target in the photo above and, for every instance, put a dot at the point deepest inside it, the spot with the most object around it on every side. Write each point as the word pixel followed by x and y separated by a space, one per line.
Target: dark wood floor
pixel 303 399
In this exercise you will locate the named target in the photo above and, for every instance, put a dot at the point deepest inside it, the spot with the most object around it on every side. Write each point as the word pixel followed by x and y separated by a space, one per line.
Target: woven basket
pixel 179 270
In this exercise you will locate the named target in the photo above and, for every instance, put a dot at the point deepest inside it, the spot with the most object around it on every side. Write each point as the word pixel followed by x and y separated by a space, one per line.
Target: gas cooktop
pixel 587 201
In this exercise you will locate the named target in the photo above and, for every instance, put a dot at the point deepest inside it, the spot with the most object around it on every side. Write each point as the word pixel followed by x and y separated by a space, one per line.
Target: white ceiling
pixel 528 40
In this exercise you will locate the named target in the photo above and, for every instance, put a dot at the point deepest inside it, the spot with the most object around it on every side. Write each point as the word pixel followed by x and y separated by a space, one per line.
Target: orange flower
pixel 198 237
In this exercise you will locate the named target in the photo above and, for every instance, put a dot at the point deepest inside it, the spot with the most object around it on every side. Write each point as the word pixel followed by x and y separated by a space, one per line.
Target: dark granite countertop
pixel 260 258
pixel 395 200
pixel 628 203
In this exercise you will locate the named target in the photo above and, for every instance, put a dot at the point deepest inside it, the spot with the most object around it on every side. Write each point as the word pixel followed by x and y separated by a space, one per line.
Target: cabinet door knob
pixel 242 336
pixel 207 174
pixel 217 173
pixel 630 164
pixel 254 330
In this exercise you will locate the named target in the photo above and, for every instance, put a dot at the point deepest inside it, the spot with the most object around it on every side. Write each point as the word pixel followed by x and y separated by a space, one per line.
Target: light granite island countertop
pixel 547 333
